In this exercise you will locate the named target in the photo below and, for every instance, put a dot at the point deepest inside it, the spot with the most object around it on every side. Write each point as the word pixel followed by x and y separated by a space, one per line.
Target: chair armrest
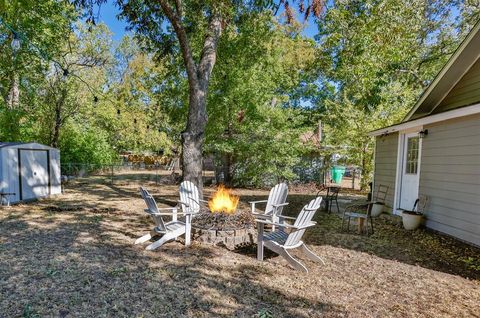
pixel 163 209
pixel 296 228
pixel 262 216
pixel 286 217
pixel 279 205
pixel 261 201
pixel 203 201
pixel 159 213
pixel 271 223
pixel 162 213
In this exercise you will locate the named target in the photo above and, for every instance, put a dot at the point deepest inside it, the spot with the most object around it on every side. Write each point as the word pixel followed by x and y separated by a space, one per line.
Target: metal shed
pixel 28 171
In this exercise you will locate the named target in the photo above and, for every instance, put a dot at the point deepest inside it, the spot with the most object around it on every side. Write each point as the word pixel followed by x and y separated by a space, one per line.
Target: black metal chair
pixel 330 197
pixel 356 211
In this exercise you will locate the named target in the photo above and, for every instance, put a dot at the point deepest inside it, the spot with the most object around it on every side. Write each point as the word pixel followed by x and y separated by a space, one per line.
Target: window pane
pixel 411 164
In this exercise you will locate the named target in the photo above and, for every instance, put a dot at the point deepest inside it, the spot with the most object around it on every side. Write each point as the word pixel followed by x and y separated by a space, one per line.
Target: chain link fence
pixel 140 173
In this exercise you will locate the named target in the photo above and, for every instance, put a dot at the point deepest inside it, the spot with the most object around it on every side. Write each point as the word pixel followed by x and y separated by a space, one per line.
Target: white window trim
pixel 459 112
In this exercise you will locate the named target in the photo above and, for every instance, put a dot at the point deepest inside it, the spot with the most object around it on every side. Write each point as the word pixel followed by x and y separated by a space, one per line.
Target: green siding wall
pixel 386 165
pixel 450 177
pixel 466 92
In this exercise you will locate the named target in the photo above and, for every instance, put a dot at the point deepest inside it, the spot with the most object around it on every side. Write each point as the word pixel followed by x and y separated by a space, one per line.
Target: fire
pixel 223 201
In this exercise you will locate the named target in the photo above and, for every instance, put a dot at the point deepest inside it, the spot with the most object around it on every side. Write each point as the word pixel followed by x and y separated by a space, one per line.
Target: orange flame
pixel 223 201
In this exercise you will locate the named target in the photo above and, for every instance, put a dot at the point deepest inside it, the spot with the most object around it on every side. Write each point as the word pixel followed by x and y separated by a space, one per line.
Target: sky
pixel 109 12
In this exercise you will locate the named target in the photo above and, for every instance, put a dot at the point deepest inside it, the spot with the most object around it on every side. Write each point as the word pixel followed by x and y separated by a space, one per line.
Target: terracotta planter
pixel 377 209
pixel 411 220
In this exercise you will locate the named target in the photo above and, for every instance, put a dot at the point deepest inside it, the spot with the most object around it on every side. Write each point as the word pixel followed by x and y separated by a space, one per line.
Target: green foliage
pixel 253 128
pixel 375 58
pixel 86 145
pixel 371 61
pixel 9 123
pixel 38 26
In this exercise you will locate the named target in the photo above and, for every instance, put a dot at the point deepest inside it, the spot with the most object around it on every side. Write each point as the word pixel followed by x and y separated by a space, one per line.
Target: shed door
pixel 410 171
pixel 34 173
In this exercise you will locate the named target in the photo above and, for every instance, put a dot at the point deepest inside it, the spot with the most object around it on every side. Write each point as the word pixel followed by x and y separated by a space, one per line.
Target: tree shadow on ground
pixel 422 247
pixel 83 267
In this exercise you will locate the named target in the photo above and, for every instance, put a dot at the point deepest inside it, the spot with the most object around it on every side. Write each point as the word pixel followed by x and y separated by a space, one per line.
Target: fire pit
pixel 222 223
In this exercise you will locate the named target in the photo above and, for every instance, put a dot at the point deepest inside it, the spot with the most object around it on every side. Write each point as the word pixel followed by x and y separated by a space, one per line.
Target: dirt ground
pixel 73 256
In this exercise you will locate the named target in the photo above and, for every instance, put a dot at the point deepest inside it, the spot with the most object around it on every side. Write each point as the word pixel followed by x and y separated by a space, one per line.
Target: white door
pixel 410 171
pixel 34 174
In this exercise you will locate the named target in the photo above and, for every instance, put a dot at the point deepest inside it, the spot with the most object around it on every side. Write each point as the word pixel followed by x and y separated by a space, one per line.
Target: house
pixel 28 171
pixel 435 150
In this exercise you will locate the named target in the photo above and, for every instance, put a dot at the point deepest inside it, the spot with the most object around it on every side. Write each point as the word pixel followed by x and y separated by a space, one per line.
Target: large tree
pixel 36 28
pixel 254 127
pixel 193 27
pixel 79 64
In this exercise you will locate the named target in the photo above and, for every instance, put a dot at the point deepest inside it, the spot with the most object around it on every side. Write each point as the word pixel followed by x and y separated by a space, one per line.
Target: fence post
pixel 112 174
pixel 353 178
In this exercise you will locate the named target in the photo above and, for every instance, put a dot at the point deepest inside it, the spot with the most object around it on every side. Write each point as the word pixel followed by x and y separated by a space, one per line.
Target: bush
pixel 86 145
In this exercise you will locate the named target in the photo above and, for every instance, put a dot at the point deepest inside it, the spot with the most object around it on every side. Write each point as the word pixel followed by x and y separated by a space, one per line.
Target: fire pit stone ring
pixel 230 230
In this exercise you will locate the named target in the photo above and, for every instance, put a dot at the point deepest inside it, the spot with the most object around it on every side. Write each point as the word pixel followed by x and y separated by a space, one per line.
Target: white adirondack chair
pixel 280 241
pixel 274 205
pixel 168 230
pixel 190 197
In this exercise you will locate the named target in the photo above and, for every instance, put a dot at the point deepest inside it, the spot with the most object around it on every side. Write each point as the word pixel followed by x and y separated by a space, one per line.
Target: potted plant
pixel 412 219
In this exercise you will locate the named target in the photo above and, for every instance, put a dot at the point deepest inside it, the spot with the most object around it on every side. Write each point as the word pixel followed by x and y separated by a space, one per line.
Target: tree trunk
pixel 194 135
pixel 366 158
pixel 227 168
pixel 56 128
pixel 13 97
pixel 198 79
pixel 59 103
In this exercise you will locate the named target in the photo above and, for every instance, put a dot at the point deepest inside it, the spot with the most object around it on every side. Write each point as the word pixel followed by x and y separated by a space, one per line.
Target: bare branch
pixel 178 5
pixel 209 51
pixel 183 40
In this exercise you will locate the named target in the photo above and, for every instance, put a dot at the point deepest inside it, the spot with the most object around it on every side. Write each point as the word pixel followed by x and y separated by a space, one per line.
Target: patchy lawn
pixel 73 256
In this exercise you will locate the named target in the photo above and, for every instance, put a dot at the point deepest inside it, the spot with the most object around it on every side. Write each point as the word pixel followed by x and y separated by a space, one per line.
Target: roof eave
pixel 443 72
pixel 455 113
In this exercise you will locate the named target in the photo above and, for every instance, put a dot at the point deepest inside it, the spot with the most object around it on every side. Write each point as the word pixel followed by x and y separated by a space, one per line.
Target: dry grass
pixel 72 256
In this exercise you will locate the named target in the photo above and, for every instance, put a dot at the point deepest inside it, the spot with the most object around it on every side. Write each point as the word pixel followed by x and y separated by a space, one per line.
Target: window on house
pixel 412 156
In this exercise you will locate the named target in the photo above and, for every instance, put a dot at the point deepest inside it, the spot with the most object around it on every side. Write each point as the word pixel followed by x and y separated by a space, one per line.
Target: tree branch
pixel 178 6
pixel 183 40
pixel 209 51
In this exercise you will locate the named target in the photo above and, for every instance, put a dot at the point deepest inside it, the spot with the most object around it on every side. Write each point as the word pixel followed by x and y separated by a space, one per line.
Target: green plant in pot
pixel 412 219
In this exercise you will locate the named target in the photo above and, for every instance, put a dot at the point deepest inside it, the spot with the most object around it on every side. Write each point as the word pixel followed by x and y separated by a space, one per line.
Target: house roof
pixel 457 66
pixel 454 113
pixel 459 63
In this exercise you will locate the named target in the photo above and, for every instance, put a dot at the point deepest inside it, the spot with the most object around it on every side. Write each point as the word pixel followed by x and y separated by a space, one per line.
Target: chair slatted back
pixel 278 195
pixel 420 204
pixel 189 194
pixel 304 218
pixel 144 192
pixel 332 193
pixel 152 208
pixel 381 194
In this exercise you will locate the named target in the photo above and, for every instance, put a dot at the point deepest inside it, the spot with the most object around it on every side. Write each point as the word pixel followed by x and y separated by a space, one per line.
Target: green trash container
pixel 337 173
